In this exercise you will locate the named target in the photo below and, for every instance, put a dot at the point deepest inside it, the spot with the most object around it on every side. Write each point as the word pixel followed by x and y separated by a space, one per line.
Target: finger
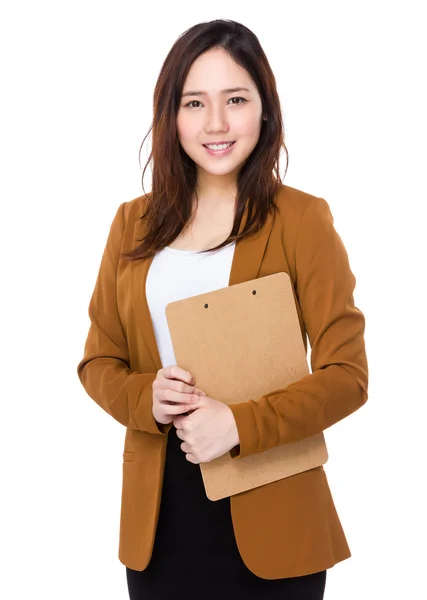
pixel 176 397
pixel 175 409
pixel 175 372
pixel 176 386
pixel 178 422
pixel 191 459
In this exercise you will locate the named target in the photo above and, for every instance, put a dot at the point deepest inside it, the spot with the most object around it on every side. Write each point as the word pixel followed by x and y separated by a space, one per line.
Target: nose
pixel 216 119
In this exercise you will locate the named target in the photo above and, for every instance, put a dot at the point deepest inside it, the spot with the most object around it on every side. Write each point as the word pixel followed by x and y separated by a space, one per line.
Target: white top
pixel 177 274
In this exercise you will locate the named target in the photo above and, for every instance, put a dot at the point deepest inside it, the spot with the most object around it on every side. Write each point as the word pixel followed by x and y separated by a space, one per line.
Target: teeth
pixel 218 147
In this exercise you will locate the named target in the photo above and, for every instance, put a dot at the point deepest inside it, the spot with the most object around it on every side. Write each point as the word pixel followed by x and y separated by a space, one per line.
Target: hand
pixel 173 393
pixel 208 432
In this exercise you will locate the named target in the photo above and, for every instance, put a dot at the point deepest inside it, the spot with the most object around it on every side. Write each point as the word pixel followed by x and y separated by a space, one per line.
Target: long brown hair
pixel 168 208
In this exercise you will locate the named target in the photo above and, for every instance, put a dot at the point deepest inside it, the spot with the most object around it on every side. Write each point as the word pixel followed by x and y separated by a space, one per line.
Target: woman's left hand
pixel 208 432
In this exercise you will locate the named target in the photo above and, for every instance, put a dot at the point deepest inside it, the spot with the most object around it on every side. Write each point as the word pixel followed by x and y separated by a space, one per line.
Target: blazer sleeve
pixel 104 370
pixel 338 383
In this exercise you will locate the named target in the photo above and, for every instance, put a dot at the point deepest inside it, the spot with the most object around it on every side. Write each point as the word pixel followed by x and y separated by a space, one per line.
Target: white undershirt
pixel 177 274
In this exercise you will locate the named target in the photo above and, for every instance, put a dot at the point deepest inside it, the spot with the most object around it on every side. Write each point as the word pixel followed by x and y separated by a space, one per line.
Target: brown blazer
pixel 287 528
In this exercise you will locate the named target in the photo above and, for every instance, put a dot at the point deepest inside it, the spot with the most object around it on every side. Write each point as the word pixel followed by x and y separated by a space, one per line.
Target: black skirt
pixel 195 551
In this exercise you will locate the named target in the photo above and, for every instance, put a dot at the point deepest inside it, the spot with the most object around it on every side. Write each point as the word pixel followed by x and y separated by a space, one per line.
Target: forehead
pixel 214 71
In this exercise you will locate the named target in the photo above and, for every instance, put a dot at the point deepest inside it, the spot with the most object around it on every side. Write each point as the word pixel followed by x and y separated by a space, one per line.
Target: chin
pixel 222 168
pixel 220 172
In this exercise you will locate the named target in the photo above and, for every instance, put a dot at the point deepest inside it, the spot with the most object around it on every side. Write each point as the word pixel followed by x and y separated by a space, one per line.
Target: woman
pixel 219 215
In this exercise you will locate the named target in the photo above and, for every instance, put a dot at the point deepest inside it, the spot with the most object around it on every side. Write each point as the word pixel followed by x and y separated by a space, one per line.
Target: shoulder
pixel 294 206
pixel 128 214
pixel 127 224
pixel 132 210
pixel 302 220
pixel 292 203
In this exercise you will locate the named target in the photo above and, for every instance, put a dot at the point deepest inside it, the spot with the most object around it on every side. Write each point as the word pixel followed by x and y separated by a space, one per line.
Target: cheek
pixel 248 125
pixel 180 126
pixel 186 128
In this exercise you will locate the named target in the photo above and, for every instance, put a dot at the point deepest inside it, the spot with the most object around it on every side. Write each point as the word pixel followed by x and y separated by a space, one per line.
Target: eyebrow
pixel 227 91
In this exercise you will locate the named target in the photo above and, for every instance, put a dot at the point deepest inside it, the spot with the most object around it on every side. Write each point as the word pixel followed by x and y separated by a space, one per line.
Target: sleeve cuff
pixel 246 428
pixel 144 413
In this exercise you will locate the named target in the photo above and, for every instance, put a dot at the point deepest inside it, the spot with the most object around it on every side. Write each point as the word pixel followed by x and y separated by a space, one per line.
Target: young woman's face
pixel 212 110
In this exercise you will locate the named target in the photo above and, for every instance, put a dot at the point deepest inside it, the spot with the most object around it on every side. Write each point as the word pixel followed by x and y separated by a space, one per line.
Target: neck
pixel 216 190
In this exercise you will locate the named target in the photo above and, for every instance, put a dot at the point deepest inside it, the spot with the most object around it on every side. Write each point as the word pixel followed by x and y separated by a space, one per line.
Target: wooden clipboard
pixel 241 342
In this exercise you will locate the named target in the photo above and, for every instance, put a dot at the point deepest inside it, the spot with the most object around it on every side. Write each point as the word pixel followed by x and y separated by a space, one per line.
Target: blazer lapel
pixel 246 264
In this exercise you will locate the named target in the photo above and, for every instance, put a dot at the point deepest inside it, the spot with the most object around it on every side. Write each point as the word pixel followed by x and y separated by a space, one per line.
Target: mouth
pixel 219 149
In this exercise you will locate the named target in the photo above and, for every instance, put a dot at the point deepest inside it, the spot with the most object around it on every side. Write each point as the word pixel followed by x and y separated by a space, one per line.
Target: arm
pixel 104 370
pixel 338 383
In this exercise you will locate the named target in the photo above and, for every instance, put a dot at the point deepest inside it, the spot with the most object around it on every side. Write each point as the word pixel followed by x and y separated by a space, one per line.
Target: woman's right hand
pixel 174 393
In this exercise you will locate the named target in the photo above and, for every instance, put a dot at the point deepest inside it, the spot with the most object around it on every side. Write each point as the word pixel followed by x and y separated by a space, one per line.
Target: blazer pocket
pixel 128 456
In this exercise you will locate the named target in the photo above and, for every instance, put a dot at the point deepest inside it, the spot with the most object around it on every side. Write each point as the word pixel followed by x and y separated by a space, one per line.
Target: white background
pixel 77 82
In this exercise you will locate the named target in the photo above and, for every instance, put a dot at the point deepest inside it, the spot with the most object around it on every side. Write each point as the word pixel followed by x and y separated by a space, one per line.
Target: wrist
pixel 235 437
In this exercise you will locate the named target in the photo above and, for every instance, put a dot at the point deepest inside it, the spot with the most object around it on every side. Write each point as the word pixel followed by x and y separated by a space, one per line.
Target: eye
pixel 192 101
pixel 238 98
pixel 189 104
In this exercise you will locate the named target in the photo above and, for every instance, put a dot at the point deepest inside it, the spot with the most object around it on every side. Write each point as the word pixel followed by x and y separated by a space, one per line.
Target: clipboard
pixel 241 342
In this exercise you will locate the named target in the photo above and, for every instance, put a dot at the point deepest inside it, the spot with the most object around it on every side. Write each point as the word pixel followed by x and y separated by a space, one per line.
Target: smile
pixel 219 149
